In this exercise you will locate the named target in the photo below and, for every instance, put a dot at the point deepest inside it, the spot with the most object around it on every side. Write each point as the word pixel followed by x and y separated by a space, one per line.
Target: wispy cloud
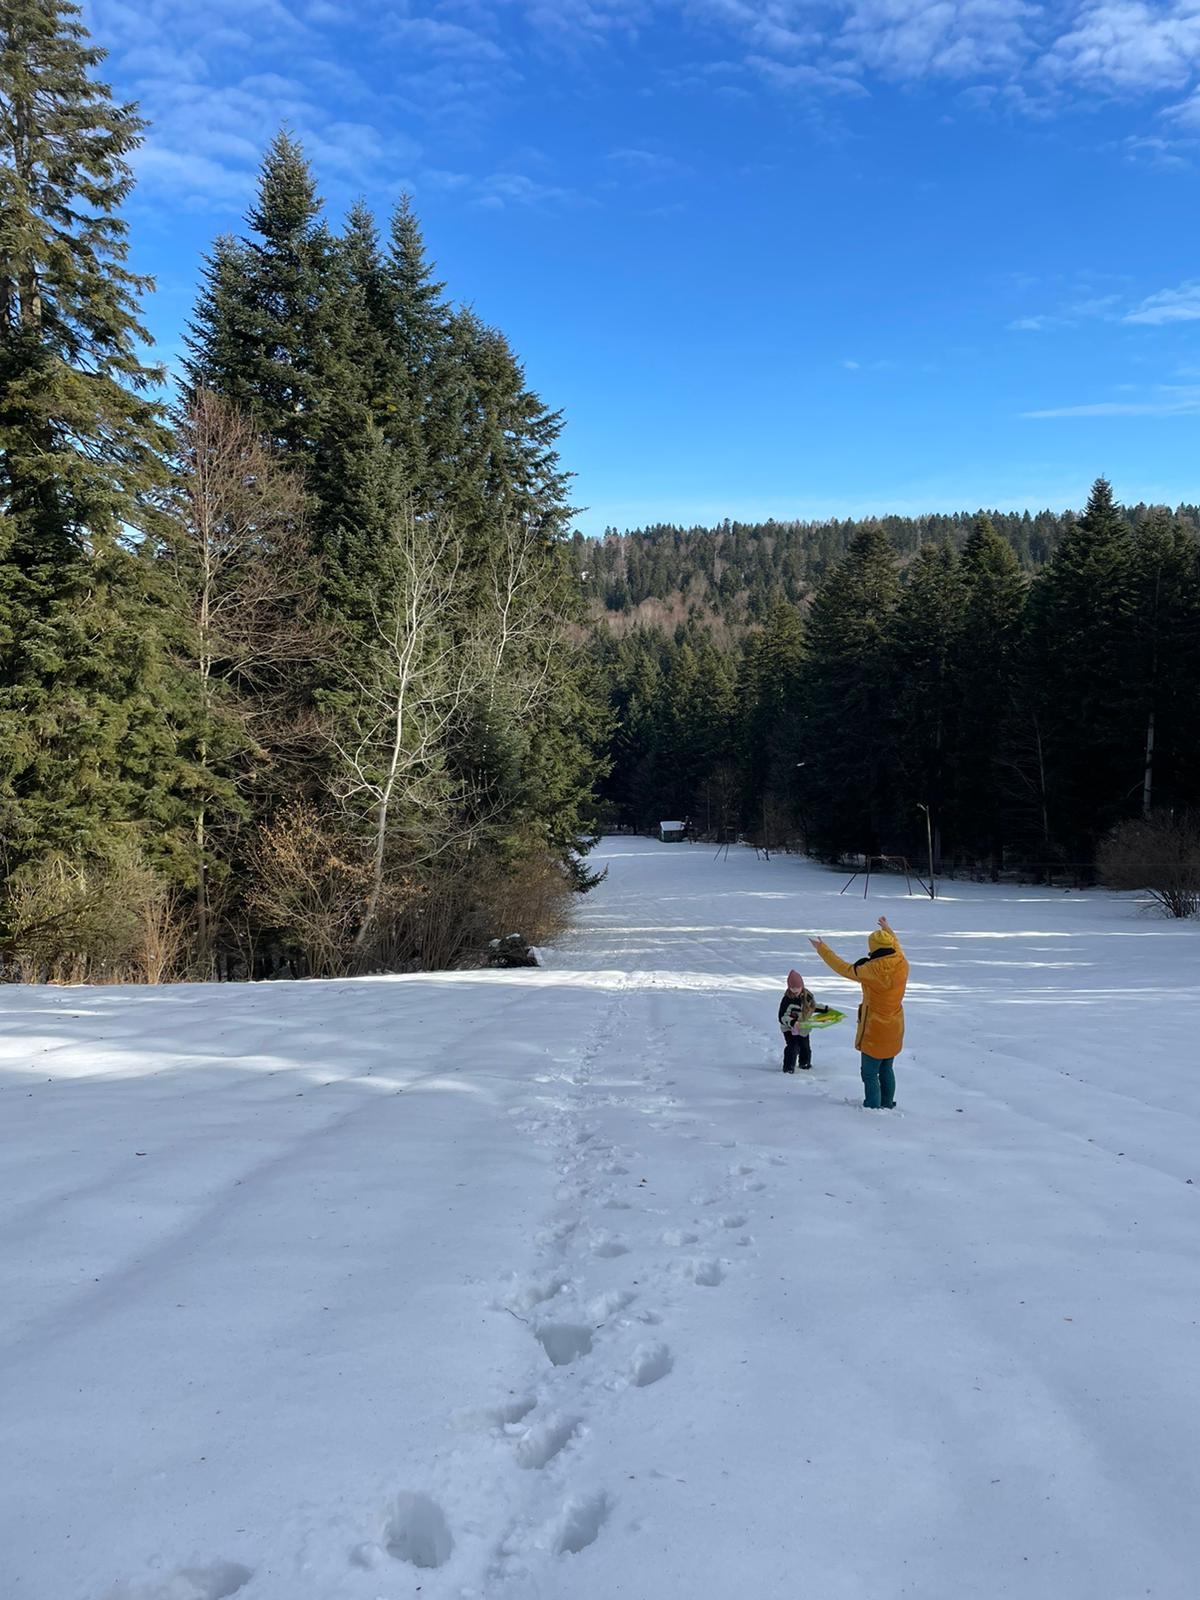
pixel 1168 305
pixel 1130 44
pixel 1081 307
pixel 648 165
pixel 1019 54
pixel 346 73
pixel 1165 155
pixel 1166 401
pixel 442 38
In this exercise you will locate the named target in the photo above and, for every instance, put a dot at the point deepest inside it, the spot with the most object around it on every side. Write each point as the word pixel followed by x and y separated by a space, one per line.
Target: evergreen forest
pixel 304 670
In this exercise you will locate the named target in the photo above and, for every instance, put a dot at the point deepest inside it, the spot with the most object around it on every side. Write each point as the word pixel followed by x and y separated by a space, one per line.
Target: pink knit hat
pixel 795 981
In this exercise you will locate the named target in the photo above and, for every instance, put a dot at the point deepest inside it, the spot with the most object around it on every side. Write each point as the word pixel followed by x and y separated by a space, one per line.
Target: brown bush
pixel 103 922
pixel 310 882
pixel 529 895
pixel 160 954
pixel 1159 855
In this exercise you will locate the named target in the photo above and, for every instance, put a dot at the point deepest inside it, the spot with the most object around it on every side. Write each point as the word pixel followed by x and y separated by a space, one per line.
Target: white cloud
pixel 1084 307
pixel 193 180
pixel 1169 401
pixel 1130 44
pixel 444 38
pixel 503 189
pixel 650 165
pixel 801 75
pixel 1168 305
pixel 940 38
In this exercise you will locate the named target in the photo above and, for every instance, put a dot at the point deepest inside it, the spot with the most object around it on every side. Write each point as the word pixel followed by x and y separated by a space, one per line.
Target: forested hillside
pixel 730 577
pixel 920 698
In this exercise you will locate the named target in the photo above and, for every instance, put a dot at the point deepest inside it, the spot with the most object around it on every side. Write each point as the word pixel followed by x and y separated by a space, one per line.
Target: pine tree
pixel 926 632
pixel 850 701
pixel 503 463
pixel 425 416
pixel 771 690
pixel 1079 678
pixel 985 678
pixel 1165 665
pixel 85 745
pixel 258 335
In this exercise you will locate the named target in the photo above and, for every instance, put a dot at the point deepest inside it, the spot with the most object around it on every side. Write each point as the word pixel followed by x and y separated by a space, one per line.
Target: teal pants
pixel 879 1082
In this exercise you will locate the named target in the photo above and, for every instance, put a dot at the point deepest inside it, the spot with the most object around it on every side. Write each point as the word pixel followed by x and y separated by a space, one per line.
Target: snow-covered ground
pixel 549 1284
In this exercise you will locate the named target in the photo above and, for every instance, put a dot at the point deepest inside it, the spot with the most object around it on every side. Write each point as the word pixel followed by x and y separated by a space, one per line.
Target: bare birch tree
pixel 242 563
pixel 419 668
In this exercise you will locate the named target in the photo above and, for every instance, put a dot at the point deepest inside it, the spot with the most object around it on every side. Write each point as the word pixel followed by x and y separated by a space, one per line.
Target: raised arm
pixel 834 961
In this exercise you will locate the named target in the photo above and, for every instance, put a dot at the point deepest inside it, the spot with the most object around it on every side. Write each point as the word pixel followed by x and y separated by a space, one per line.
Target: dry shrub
pixel 104 922
pixel 161 951
pixel 1159 855
pixel 438 919
pixel 310 883
pixel 530 896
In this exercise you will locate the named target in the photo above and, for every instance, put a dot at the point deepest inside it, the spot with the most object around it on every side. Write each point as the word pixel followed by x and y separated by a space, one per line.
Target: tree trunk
pixel 203 953
pixel 1148 778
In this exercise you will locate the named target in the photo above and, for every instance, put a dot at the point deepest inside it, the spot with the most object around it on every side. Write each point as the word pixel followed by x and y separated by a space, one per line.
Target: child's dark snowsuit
pixel 796 1009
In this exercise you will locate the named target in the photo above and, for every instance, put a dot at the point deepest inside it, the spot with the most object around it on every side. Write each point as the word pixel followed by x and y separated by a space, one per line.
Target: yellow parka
pixel 883 975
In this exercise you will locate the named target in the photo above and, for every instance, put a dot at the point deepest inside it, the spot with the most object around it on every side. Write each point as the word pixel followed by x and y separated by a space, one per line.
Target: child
pixel 796 1010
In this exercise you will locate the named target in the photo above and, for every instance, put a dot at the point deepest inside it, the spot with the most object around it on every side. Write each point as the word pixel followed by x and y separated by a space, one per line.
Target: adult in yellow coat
pixel 883 973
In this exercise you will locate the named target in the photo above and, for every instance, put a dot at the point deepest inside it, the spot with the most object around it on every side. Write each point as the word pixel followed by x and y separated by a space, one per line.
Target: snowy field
pixel 548 1285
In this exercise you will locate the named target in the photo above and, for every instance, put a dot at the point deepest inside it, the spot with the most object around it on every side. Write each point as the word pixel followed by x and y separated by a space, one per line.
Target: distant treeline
pixel 732 576
pixel 921 696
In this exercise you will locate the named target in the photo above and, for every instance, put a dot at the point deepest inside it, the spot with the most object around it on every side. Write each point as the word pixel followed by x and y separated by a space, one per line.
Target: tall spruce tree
pixel 425 416
pixel 504 463
pixel 926 633
pixel 850 701
pixel 772 722
pixel 85 746
pixel 1079 667
pixel 985 672
pixel 258 335
pixel 1165 663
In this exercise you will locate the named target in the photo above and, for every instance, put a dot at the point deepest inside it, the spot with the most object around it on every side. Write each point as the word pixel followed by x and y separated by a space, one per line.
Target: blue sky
pixel 771 257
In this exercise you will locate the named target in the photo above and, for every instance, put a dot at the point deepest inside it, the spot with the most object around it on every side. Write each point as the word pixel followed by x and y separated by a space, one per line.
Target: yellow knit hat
pixel 879 939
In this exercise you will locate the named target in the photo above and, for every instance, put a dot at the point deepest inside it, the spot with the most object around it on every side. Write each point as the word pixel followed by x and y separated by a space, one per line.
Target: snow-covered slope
pixel 549 1284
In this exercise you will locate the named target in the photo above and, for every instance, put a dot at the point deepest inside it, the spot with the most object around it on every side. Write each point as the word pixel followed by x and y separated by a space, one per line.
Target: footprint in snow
pixel 651 1362
pixel 542 1443
pixel 580 1524
pixel 609 1249
pixel 215 1582
pixel 607 1305
pixel 675 1237
pixel 707 1273
pixel 564 1342
pixel 737 1220
pixel 535 1292
pixel 415 1531
pixel 502 1416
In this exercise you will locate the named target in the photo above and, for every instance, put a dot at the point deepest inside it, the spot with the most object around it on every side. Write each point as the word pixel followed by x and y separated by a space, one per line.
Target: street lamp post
pixel 929 840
